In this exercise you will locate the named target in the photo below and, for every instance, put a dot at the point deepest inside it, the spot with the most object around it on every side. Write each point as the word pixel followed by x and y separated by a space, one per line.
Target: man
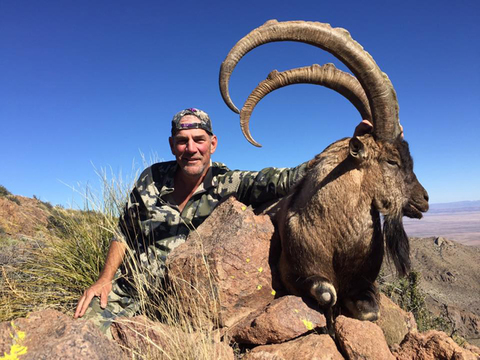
pixel 168 201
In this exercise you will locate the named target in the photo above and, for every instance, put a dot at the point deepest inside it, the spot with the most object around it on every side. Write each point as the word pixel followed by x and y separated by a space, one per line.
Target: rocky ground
pixel 450 278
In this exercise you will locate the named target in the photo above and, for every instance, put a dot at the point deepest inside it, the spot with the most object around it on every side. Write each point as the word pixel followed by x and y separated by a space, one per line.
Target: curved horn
pixel 327 75
pixel 337 41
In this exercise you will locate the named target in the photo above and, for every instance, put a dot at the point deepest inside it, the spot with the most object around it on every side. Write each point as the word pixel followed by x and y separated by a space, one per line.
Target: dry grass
pixel 55 272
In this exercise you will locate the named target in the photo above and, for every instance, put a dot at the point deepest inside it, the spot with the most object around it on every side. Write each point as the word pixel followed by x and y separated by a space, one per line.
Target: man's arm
pixel 103 285
pixel 258 187
pixel 255 188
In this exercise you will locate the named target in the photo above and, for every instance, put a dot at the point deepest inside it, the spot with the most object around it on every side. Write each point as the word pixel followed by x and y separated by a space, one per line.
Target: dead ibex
pixel 330 225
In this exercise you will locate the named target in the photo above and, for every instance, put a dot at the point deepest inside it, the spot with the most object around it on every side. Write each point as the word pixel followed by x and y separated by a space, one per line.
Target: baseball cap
pixel 205 122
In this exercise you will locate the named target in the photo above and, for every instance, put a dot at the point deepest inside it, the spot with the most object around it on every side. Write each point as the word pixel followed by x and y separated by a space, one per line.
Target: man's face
pixel 193 148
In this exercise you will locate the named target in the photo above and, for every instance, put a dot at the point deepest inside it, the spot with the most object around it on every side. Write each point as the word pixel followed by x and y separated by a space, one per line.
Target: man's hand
pixel 103 286
pixel 366 127
pixel 101 289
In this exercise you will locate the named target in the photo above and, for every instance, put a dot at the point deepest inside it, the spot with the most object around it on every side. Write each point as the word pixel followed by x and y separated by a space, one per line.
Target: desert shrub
pixel 7 194
pixel 14 199
pixel 406 293
pixel 4 191
pixel 47 205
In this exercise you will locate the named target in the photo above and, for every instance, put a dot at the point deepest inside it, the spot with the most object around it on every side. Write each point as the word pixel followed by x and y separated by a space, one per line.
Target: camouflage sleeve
pixel 128 228
pixel 268 184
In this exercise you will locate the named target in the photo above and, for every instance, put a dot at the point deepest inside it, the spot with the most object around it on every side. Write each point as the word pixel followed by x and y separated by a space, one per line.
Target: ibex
pixel 330 224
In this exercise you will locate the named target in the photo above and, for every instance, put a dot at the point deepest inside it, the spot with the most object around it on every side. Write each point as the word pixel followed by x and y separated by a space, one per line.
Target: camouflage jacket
pixel 152 227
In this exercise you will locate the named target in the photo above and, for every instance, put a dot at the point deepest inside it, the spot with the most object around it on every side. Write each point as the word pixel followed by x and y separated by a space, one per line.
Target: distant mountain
pixel 455 207
pixel 459 221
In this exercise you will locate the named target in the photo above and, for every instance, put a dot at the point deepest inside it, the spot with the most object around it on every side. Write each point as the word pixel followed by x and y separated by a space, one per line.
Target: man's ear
pixel 357 149
pixel 214 143
pixel 170 141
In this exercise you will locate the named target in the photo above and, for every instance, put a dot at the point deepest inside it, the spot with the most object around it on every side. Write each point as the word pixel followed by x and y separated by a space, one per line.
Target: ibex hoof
pixel 324 293
pixel 363 309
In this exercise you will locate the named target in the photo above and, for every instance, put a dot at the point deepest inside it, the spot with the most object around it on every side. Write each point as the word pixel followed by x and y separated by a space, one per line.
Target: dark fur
pixel 330 225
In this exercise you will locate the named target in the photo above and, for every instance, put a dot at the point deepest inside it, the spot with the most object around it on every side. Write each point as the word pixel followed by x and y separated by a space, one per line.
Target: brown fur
pixel 330 226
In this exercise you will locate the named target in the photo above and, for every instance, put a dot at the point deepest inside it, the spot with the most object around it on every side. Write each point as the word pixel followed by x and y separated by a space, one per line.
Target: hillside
pixel 450 278
pixel 450 271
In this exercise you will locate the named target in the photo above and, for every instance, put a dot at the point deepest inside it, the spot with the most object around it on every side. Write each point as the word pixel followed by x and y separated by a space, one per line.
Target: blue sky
pixel 87 84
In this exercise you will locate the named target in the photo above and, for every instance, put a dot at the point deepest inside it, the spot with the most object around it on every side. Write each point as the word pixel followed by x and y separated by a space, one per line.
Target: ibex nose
pixel 426 206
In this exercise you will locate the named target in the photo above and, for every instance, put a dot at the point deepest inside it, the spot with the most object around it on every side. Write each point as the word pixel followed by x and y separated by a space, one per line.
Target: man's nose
pixel 191 146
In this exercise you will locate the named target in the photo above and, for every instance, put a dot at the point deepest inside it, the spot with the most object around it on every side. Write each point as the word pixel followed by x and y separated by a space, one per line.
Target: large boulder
pixel 361 339
pixel 285 318
pixel 49 334
pixel 143 338
pixel 394 322
pixel 432 345
pixel 223 268
pixel 313 346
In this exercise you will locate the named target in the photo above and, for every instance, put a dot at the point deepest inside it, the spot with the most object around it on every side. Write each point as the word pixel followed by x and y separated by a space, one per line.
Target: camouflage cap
pixel 205 122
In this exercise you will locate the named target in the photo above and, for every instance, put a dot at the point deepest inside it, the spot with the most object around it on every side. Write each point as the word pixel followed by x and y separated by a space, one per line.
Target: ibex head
pixel 385 152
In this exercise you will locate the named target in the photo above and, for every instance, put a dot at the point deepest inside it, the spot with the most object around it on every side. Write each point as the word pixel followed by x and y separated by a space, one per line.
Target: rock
pixel 394 322
pixel 284 319
pixel 142 337
pixel 223 267
pixel 432 345
pixel 361 339
pixel 466 323
pixel 313 346
pixel 472 348
pixel 23 216
pixel 49 334
pixel 441 241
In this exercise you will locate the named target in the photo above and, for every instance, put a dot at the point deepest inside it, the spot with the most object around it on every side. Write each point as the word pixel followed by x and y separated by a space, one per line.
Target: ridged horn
pixel 327 75
pixel 338 42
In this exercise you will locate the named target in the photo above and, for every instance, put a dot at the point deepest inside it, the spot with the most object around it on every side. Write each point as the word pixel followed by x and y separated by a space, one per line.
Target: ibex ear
pixel 357 148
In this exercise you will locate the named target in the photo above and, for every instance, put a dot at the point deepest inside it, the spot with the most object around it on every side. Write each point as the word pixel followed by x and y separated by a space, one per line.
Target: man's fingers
pixel 103 300
pixel 100 289
pixel 87 298
pixel 79 307
pixel 363 128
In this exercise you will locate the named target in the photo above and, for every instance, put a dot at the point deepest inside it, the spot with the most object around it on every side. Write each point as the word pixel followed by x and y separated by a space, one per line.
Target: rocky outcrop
pixel 225 271
pixel 49 334
pixel 432 345
pixel 226 262
pixel 361 339
pixel 283 319
pixel 394 322
pixel 312 346
pixel 22 216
